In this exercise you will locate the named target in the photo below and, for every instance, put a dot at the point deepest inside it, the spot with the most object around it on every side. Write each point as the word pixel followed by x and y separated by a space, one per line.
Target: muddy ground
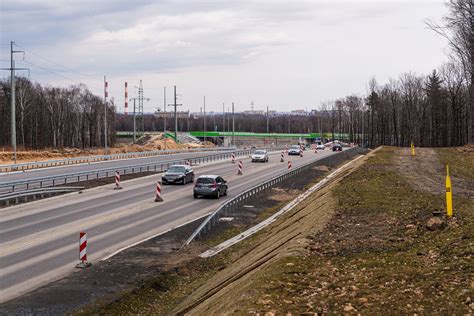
pixel 152 266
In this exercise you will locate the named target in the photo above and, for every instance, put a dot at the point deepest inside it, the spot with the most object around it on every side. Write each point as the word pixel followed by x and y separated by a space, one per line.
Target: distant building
pixel 255 112
pixel 299 112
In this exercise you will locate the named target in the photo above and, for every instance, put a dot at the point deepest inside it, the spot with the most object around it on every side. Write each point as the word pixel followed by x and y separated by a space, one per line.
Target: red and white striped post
pixel 286 150
pixel 158 197
pixel 117 181
pixel 83 251
pixel 232 156
pixel 240 168
pixel 301 152
pixel 188 163
pixel 289 165
pixel 126 99
pixel 282 157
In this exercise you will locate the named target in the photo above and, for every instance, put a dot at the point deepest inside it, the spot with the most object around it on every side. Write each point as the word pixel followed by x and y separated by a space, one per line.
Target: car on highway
pixel 210 185
pixel 320 146
pixel 294 150
pixel 336 147
pixel 178 174
pixel 259 155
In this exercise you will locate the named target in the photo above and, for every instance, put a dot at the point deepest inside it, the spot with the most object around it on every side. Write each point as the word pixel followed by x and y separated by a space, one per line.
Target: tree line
pixel 54 117
pixel 431 110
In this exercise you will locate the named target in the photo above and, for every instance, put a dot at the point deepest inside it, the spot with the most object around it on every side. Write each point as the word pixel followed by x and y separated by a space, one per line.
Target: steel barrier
pixel 231 204
pixel 16 196
pixel 77 160
pixel 64 179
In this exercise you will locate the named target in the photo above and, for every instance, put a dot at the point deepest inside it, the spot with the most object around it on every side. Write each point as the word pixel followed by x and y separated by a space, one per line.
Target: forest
pixel 54 117
pixel 435 109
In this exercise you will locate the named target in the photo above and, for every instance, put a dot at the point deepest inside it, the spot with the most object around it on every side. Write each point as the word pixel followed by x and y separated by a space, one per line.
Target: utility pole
pixel 175 115
pixel 134 122
pixel 164 110
pixel 139 113
pixel 204 127
pixel 223 119
pixel 105 112
pixel 233 125
pixel 13 95
pixel 268 118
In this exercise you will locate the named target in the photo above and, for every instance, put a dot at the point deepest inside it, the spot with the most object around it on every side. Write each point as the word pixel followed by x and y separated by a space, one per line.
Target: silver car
pixel 260 155
pixel 294 150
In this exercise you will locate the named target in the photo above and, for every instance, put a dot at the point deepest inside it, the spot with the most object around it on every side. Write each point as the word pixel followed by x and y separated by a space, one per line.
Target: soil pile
pixel 145 143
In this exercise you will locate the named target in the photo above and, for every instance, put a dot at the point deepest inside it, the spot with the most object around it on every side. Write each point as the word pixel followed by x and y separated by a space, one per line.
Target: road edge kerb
pixel 288 207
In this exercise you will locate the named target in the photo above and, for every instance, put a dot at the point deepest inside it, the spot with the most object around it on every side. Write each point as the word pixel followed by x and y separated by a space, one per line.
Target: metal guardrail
pixel 16 196
pixel 160 166
pixel 77 160
pixel 230 205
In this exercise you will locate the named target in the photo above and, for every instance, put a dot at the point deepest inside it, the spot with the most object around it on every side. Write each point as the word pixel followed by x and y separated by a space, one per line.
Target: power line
pixel 55 63
pixel 94 87
pixel 48 70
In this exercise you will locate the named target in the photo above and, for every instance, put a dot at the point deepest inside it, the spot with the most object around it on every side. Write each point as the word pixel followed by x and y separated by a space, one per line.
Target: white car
pixel 320 146
pixel 260 155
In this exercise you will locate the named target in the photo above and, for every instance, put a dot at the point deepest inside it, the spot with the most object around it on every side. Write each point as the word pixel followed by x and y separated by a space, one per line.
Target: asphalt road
pixel 43 172
pixel 39 240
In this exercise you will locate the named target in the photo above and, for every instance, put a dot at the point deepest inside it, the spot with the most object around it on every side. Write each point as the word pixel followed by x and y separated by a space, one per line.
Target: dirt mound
pixel 145 143
pixel 426 171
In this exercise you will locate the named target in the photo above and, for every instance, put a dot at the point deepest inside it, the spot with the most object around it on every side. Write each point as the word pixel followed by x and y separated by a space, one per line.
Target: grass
pixel 461 161
pixel 376 256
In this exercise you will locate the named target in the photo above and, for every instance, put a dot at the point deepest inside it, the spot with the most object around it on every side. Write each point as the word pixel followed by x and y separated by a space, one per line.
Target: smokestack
pixel 126 99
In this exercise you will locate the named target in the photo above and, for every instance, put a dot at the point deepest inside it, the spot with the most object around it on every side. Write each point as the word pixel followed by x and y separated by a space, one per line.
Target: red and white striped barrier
pixel 240 168
pixel 289 165
pixel 286 149
pixel 158 197
pixel 301 152
pixel 117 181
pixel 83 251
pixel 282 157
pixel 232 156
pixel 188 162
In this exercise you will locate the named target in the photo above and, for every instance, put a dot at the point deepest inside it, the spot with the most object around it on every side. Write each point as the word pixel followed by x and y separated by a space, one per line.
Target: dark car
pixel 181 174
pixel 336 147
pixel 210 185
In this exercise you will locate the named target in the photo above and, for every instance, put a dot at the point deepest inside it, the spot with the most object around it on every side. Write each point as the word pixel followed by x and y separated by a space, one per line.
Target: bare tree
pixel 458 28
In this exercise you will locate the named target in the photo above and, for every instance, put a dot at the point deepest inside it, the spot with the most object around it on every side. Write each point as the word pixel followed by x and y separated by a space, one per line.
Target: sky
pixel 286 55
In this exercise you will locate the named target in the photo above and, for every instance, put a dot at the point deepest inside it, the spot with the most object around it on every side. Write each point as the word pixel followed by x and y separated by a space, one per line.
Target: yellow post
pixel 449 194
pixel 412 149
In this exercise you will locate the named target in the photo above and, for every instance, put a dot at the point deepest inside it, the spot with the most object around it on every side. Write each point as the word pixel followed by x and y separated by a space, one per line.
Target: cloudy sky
pixel 284 54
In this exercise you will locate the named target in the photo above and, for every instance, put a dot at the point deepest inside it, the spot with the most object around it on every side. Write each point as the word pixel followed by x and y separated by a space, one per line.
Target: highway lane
pixel 40 239
pixel 43 172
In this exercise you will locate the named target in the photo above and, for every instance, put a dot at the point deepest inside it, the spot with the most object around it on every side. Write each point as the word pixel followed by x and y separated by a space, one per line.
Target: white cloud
pixel 282 53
